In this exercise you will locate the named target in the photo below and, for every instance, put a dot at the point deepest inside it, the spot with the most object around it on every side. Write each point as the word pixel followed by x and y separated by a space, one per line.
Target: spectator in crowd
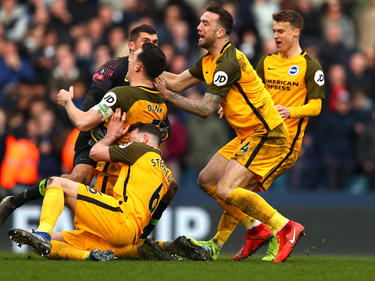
pixel 48 131
pixel 61 20
pixel 118 42
pixel 306 172
pixel 14 19
pixel 359 77
pixel 337 85
pixel 312 29
pixel 250 44
pixel 262 11
pixel 332 13
pixel 331 48
pixel 366 26
pixel 213 134
pixel 43 58
pixel 13 68
pixel 82 11
pixel 366 152
pixel 338 156
pixel 84 56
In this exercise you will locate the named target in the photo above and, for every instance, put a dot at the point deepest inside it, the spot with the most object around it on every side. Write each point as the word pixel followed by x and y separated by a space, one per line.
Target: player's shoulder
pixel 312 63
pixel 231 58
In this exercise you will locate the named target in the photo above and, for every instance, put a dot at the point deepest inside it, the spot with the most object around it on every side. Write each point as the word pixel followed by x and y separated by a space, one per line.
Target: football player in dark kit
pixel 111 74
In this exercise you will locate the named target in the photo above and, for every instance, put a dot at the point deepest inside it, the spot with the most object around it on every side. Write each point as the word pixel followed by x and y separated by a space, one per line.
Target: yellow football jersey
pixel 247 105
pixel 141 104
pixel 144 179
pixel 292 82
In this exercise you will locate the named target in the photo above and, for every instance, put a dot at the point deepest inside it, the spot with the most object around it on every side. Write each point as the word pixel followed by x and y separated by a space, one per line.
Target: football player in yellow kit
pixel 262 136
pixel 296 83
pixel 103 221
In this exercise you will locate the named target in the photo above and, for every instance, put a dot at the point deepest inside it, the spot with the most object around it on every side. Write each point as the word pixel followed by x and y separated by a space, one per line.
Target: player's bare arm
pixel 179 82
pixel 202 107
pixel 115 130
pixel 83 120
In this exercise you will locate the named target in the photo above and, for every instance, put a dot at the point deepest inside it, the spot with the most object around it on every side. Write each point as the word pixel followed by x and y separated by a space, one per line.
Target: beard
pixel 207 43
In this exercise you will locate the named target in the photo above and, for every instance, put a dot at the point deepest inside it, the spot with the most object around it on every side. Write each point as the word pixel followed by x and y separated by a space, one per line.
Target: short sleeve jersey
pixel 144 179
pixel 141 104
pixel 292 82
pixel 247 105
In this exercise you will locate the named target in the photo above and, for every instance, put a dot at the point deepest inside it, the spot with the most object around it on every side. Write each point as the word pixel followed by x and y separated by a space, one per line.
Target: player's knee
pixel 222 194
pixel 54 181
pixel 203 180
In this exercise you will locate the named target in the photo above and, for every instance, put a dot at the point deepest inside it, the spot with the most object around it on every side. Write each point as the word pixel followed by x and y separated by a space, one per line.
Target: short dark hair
pixel 148 129
pixel 291 16
pixel 134 33
pixel 153 60
pixel 225 18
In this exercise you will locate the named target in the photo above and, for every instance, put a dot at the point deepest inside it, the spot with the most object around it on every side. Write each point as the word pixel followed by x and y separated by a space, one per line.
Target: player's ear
pixel 220 33
pixel 138 66
pixel 131 46
pixel 297 32
pixel 146 138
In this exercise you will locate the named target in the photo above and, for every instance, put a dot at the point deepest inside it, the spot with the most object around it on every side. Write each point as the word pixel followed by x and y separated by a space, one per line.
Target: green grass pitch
pixel 16 267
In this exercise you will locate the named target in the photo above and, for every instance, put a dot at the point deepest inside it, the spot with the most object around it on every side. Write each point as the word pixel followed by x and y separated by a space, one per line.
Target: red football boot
pixel 254 239
pixel 288 237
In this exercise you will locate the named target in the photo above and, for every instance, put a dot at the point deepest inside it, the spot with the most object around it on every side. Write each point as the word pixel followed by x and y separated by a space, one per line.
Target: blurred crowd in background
pixel 46 45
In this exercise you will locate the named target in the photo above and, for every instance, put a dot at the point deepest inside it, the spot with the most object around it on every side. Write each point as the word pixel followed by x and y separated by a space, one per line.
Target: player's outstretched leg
pixel 6 208
pixel 150 250
pixel 39 241
pixel 254 238
pixel 98 255
pixel 10 203
pixel 288 237
pixel 210 247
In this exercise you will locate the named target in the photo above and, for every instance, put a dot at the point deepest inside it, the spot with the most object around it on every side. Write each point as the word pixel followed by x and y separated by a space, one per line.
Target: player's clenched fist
pixel 64 96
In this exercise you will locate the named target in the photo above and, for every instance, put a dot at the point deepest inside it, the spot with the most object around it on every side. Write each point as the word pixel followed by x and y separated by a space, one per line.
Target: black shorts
pixel 82 149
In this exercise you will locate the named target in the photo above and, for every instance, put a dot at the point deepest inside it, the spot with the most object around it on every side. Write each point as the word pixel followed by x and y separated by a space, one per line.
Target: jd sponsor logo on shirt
pixel 319 78
pixel 220 78
pixel 110 98
pixel 293 70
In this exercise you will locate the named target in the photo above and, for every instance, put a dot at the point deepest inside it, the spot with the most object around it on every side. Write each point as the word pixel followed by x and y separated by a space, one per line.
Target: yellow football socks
pixel 127 252
pixel 255 206
pixel 234 211
pixel 63 251
pixel 225 228
pixel 248 221
pixel 53 205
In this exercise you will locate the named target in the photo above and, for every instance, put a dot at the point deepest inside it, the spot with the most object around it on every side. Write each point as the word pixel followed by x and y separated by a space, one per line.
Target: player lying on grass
pixel 103 221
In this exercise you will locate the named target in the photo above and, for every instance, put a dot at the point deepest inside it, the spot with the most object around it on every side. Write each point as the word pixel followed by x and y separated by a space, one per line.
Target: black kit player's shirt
pixel 109 75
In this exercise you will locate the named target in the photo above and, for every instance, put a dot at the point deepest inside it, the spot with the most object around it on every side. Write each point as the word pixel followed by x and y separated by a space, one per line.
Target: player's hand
pixel 64 96
pixel 220 112
pixel 283 111
pixel 159 83
pixel 116 125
